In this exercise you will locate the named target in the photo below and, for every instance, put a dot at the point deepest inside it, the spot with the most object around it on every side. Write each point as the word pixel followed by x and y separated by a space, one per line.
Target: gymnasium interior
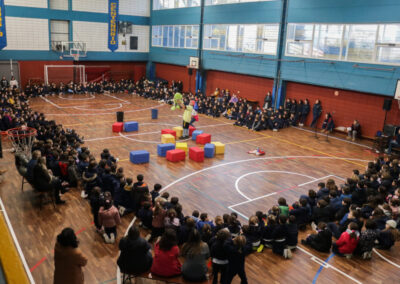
pixel 182 126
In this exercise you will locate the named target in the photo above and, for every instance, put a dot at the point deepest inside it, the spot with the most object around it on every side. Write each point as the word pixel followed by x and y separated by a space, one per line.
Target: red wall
pixel 250 87
pixel 177 73
pixel 120 70
pixel 34 70
pixel 348 105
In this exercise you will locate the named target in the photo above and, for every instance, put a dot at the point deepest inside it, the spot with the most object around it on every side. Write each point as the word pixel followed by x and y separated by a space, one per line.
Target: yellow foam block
pixel 182 146
pixel 167 138
pixel 178 130
pixel 219 148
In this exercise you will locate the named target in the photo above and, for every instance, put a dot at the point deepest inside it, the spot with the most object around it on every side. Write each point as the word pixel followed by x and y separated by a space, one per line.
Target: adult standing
pixel 187 117
pixel 13 83
pixel 135 257
pixel 317 111
pixel 68 259
pixel 268 101
pixel 305 111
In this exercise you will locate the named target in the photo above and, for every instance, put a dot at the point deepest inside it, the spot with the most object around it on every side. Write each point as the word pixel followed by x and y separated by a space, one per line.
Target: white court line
pixel 99 109
pixel 16 243
pixel 387 260
pixel 112 137
pixel 327 265
pixel 80 99
pixel 276 192
pixel 114 97
pixel 89 114
pixel 267 171
pixel 333 137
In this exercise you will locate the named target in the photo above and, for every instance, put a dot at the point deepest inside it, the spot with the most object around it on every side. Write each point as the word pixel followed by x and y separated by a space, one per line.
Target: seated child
pixel 322 240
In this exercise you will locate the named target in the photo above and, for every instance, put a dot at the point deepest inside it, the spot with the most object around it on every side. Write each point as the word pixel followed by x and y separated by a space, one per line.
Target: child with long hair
pixel 109 218
pixel 219 256
pixel 236 258
pixel 348 241
pixel 166 253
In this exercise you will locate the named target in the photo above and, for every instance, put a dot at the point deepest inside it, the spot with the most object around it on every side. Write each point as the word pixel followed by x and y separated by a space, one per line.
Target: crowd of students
pixel 361 214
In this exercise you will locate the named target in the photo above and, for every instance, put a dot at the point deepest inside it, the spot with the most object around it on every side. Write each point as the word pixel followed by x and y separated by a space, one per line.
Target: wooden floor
pixel 294 162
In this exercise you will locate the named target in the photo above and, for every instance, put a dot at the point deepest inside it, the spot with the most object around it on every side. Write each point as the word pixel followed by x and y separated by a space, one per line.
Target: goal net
pixel 64 73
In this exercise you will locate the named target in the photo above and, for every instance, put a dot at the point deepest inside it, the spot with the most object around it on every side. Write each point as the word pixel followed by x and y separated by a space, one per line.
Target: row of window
pixel 236 38
pixel 369 43
pixel 377 43
pixel 175 36
pixel 172 4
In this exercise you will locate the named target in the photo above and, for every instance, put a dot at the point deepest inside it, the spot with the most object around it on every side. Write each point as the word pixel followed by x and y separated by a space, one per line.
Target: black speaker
pixel 190 71
pixel 389 130
pixel 133 43
pixel 120 116
pixel 387 104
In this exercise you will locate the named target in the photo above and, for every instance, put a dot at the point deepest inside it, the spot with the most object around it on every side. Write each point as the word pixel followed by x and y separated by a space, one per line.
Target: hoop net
pixel 22 139
pixel 75 56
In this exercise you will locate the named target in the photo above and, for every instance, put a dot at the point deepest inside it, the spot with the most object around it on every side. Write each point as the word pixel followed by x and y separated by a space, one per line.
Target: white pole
pixel 11 67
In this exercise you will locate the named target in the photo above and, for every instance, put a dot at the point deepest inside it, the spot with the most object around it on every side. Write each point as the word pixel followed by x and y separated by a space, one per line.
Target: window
pixel 388 45
pixel 175 36
pixel 172 4
pixel 299 39
pixel 217 2
pixel 58 4
pixel 156 32
pixel 370 43
pixel 59 33
pixel 361 42
pixel 327 41
pixel 242 38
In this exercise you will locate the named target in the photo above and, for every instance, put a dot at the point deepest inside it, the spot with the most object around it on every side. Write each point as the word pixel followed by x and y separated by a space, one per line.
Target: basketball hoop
pixel 76 56
pixel 22 139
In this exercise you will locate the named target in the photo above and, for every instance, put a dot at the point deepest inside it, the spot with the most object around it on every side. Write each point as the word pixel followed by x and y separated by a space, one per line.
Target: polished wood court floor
pixel 294 162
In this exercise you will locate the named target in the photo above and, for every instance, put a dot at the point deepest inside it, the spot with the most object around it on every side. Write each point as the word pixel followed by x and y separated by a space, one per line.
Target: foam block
pixel 154 113
pixel 139 157
pixel 130 126
pixel 182 145
pixel 167 138
pixel 178 130
pixel 176 155
pixel 196 154
pixel 195 133
pixel 191 129
pixel 219 148
pixel 203 138
pixel 118 127
pixel 163 148
pixel 168 131
pixel 209 150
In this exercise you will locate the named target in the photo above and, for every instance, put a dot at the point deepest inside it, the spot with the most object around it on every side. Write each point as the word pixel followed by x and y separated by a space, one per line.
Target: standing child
pixel 236 258
pixel 109 218
pixel 219 256
pixel 96 201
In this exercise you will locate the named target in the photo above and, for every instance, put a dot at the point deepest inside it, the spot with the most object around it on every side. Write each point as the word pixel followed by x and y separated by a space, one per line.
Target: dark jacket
pixel 322 214
pixel 301 214
pixel 367 241
pixel 385 239
pixel 292 234
pixel 135 257
pixel 317 110
pixel 322 241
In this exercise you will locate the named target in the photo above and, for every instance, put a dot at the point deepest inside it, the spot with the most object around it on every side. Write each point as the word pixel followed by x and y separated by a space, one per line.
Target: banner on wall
pixel 113 7
pixel 3 35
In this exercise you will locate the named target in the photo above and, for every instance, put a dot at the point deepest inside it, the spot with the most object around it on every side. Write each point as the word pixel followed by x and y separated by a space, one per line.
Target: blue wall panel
pixel 243 13
pixel 239 63
pixel 344 11
pixel 182 16
pixel 177 56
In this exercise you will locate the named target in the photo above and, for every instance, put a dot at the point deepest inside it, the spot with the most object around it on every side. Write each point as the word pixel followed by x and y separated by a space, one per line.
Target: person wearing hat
pixel 187 117
pixel 388 236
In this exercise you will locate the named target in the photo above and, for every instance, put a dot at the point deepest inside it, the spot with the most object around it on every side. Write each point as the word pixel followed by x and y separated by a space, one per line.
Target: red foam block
pixel 203 138
pixel 176 155
pixel 168 131
pixel 196 154
pixel 118 127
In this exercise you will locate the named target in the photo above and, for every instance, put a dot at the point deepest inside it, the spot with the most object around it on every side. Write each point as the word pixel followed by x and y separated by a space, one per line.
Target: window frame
pixel 345 43
pixel 174 28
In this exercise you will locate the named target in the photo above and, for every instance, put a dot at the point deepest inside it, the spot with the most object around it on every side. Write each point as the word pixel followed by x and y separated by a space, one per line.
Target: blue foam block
pixel 195 133
pixel 163 148
pixel 209 150
pixel 154 113
pixel 139 157
pixel 131 126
